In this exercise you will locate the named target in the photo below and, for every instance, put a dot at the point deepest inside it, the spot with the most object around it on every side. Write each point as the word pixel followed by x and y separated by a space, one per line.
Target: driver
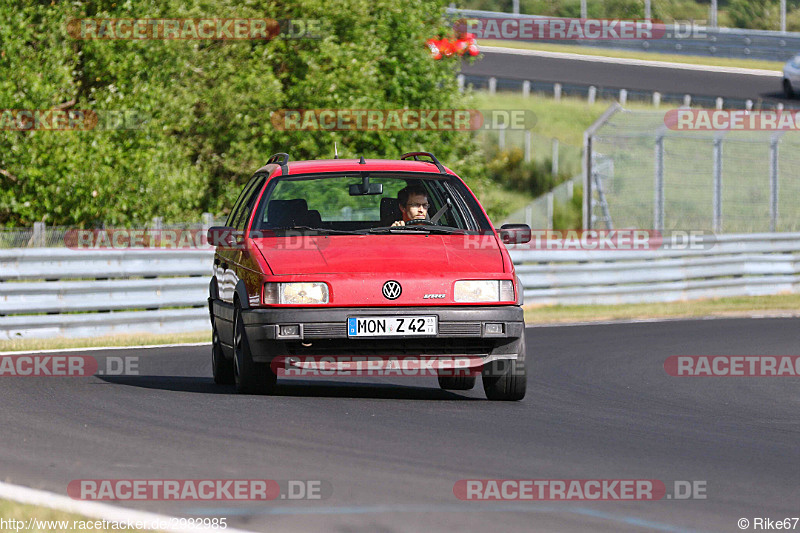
pixel 413 203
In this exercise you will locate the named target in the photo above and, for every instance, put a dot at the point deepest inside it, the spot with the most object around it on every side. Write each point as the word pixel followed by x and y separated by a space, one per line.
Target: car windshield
pixel 367 203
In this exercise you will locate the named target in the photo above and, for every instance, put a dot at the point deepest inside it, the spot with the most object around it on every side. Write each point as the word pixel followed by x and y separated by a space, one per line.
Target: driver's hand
pixel 398 223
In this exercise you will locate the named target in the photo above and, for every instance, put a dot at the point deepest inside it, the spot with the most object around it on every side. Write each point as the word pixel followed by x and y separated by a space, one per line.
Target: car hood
pixel 381 253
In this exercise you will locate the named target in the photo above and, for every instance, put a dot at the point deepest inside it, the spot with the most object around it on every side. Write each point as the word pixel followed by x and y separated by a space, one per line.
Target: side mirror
pixel 224 237
pixel 515 233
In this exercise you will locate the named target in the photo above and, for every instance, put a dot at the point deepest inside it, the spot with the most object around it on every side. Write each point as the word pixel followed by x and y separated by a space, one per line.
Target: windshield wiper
pixel 309 228
pixel 419 228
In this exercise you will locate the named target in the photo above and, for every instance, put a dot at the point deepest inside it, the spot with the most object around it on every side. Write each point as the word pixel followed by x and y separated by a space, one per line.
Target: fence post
pixel 554 169
pixel 773 181
pixel 492 85
pixel 656 99
pixel 460 80
pixel 687 100
pixel 158 222
pixel 716 200
pixel 587 181
pixel 501 137
pixel 526 88
pixel 549 210
pixel 592 94
pixel 570 189
pixel 658 200
pixel 38 234
pixel 623 96
pixel 720 102
pixel 527 146
pixel 557 92
pixel 713 13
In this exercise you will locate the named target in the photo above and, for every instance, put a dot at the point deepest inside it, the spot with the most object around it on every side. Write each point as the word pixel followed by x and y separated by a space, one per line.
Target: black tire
pixel 221 367
pixel 787 89
pixel 506 379
pixel 457 382
pixel 248 376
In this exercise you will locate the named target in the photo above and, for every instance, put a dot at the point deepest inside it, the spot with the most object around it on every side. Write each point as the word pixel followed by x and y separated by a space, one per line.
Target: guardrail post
pixel 717 196
pixel 658 200
pixel 748 104
pixel 527 146
pixel 623 96
pixel 687 100
pixel 656 99
pixel 492 85
pixel 587 181
pixel 720 102
pixel 583 10
pixel 554 169
pixel 592 94
pixel 460 80
pixel 647 11
pixel 557 92
pixel 526 88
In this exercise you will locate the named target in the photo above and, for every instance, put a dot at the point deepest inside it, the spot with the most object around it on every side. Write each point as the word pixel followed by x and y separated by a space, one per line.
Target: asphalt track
pixel 630 77
pixel 599 406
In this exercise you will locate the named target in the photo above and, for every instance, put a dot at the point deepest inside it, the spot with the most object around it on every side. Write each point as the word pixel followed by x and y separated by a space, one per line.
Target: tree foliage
pixel 207 103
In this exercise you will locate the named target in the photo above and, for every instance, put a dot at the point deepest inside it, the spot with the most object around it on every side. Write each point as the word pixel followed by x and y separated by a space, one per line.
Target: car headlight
pixel 484 290
pixel 300 293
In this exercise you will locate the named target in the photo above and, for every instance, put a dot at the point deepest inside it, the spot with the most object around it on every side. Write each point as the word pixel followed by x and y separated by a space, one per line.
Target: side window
pixel 247 205
pixel 236 212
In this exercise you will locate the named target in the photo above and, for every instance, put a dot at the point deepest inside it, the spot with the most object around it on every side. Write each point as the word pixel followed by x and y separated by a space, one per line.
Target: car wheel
pixel 248 376
pixel 457 382
pixel 221 367
pixel 506 379
pixel 787 88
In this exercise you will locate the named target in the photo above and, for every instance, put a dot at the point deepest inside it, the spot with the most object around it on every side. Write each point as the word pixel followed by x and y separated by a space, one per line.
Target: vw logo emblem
pixel 391 290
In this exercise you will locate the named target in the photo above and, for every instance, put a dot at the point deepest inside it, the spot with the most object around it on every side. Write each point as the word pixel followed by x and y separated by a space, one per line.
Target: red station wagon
pixel 387 259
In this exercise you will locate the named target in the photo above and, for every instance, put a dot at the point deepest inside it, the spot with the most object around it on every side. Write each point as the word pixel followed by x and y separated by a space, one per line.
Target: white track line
pixel 96 510
pixel 636 62
pixel 97 348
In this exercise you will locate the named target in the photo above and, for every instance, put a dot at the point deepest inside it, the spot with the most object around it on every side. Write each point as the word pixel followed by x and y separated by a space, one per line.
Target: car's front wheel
pixel 506 379
pixel 787 88
pixel 249 377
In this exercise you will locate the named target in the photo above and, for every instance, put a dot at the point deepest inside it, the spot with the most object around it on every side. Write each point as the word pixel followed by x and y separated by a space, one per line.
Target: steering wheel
pixel 418 222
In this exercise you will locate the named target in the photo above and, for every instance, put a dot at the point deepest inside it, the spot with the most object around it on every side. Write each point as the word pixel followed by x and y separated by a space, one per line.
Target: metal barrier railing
pixel 92 293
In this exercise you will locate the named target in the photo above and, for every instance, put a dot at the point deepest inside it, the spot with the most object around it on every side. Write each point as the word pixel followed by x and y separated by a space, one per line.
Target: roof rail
pixel 416 155
pixel 281 159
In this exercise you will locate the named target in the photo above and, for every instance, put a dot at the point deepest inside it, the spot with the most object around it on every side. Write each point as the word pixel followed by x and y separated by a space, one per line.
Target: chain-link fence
pixel 644 175
pixel 43 236
pixel 539 213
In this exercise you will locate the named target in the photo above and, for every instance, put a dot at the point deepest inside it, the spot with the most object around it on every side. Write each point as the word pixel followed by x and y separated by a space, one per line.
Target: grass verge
pixel 631 54
pixel 108 340
pixel 22 512
pixel 781 304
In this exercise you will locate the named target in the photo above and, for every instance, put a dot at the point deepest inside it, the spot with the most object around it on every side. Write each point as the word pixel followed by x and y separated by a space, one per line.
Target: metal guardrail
pixel 701 40
pixel 114 297
pixel 100 292
pixel 732 265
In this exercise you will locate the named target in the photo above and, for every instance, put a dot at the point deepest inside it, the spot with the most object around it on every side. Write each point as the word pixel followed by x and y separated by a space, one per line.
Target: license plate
pixel 388 326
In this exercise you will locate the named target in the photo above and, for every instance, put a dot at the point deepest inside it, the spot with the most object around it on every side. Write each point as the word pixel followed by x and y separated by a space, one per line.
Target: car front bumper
pixel 323 331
